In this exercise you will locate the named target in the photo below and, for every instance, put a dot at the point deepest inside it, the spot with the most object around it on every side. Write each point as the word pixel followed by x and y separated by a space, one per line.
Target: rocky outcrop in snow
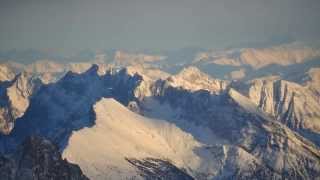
pixel 151 168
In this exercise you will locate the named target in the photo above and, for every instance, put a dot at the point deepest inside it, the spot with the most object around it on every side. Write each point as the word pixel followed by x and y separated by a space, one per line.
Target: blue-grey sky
pixel 154 24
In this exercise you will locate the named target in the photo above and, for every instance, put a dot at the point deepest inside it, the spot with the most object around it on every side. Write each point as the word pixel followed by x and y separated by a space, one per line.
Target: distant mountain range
pixel 234 114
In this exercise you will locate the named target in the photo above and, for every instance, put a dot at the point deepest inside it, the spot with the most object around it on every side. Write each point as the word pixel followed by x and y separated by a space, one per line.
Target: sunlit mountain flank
pixel 164 90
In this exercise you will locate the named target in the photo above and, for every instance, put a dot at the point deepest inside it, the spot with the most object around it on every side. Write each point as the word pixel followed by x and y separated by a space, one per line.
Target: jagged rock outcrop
pixel 38 158
pixel 158 169
pixel 15 97
pixel 147 76
pixel 292 104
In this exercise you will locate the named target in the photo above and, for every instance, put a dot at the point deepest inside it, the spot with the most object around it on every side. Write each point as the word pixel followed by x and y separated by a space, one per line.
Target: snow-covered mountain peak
pixel 193 79
pixel 191 71
pixel 118 134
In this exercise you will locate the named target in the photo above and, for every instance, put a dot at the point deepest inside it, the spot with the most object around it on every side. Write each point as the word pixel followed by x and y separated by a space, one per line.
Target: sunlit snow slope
pixel 118 133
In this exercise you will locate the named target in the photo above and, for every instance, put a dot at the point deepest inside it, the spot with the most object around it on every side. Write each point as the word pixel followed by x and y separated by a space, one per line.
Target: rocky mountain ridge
pixel 233 127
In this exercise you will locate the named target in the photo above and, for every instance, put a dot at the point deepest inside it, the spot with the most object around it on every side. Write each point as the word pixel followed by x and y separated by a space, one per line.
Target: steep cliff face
pixel 15 99
pixel 38 158
pixel 292 104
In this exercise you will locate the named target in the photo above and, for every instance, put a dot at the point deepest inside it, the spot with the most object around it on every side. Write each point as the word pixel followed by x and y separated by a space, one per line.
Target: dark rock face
pixel 59 108
pixel 38 159
pixel 7 170
pixel 158 169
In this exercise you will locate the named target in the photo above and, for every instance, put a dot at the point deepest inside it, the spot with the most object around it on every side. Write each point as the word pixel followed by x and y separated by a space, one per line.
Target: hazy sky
pixel 154 24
